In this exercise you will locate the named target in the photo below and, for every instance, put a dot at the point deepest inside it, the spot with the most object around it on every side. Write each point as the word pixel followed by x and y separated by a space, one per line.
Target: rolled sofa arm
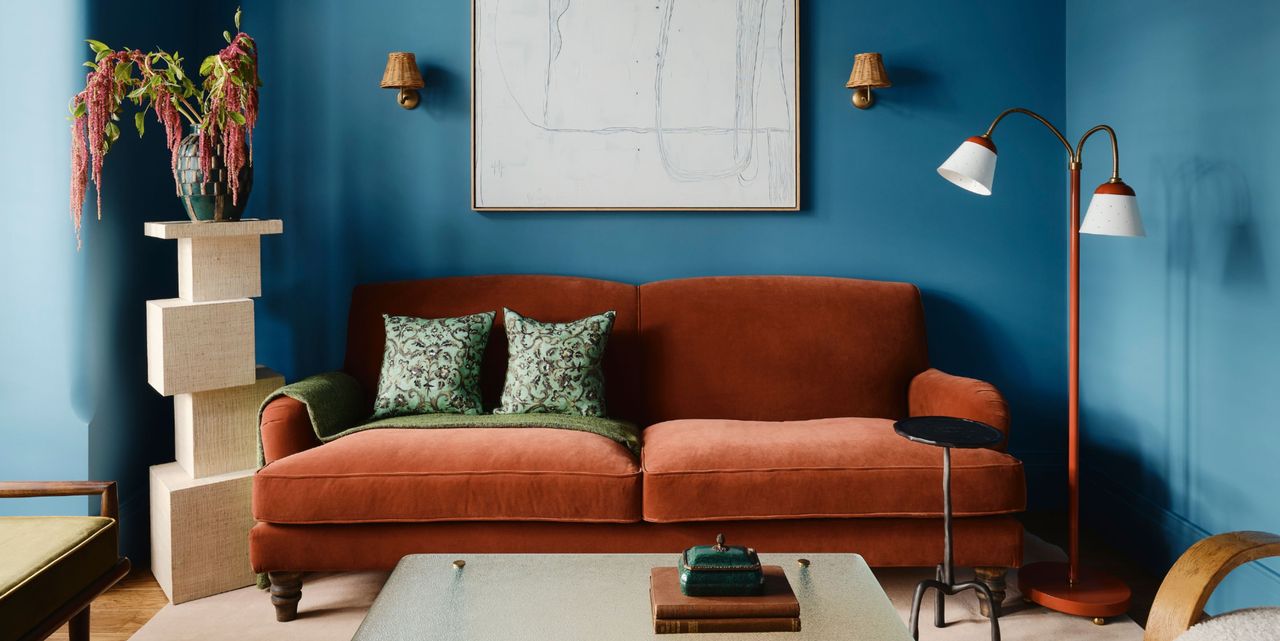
pixel 285 428
pixel 934 392
pixel 297 416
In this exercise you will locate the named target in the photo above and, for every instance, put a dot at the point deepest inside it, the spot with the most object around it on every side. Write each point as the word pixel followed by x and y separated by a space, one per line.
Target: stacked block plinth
pixel 219 268
pixel 193 347
pixel 216 432
pixel 200 531
pixel 200 350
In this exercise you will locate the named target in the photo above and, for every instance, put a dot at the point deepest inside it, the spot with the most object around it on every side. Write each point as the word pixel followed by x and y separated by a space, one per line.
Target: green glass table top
pixel 602 597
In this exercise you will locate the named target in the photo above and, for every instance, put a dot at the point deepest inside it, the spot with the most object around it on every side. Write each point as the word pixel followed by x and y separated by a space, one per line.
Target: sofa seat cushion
pixel 45 561
pixel 708 470
pixel 473 474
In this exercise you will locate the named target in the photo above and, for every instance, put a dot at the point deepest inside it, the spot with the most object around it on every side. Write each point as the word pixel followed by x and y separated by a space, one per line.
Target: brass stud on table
pixel 804 563
pixel 459 564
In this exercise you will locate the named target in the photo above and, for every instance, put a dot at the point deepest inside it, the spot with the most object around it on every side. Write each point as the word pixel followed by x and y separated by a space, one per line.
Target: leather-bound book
pixel 777 602
pixel 686 626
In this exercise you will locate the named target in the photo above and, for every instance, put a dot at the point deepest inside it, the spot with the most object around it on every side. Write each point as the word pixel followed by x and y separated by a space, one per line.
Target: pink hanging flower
pixel 233 110
pixel 225 107
pixel 79 168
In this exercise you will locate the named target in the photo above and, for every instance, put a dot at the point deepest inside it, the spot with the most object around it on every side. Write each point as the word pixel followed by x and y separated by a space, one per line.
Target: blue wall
pixel 1180 340
pixel 131 426
pixel 43 422
pixel 74 401
pixel 371 192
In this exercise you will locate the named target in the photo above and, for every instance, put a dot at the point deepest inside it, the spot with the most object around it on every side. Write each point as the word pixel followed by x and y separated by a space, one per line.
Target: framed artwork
pixel 634 105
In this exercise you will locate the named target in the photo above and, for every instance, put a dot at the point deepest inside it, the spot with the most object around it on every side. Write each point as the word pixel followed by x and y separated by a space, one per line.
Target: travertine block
pixel 217 431
pixel 200 532
pixel 193 347
pixel 219 268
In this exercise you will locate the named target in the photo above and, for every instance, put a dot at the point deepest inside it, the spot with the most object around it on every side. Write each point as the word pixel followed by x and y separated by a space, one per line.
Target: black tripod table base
pixel 939 614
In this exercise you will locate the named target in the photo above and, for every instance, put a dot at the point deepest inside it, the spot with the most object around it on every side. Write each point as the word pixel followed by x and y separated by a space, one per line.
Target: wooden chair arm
pixel 1180 601
pixel 25 489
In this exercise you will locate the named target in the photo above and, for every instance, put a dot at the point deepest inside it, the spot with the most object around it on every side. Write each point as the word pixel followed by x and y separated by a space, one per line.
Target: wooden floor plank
pixel 126 607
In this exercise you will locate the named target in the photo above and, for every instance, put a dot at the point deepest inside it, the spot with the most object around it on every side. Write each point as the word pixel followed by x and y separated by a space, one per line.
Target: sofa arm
pixel 286 429
pixel 937 393
pixel 301 415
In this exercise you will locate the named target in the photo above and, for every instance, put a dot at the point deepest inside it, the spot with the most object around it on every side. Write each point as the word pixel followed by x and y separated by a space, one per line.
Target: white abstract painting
pixel 634 104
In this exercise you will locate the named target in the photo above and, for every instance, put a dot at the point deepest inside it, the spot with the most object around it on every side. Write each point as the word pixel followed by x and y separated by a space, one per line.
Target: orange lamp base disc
pixel 1095 594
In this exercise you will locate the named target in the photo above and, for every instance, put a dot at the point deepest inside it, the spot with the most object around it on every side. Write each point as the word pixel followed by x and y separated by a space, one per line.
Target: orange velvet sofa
pixel 768 403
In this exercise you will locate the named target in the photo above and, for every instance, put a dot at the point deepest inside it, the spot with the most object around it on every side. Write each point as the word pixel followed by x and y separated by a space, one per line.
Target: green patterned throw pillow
pixel 554 368
pixel 432 365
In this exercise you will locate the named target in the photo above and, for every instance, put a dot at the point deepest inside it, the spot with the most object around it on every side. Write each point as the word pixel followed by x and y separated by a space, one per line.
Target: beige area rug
pixel 334 604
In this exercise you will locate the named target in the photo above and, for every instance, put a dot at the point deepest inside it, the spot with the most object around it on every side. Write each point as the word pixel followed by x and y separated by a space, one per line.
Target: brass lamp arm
pixel 1115 149
pixel 1063 139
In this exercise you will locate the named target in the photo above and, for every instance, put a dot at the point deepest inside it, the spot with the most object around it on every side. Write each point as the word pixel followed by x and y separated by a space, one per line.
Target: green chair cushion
pixel 47 560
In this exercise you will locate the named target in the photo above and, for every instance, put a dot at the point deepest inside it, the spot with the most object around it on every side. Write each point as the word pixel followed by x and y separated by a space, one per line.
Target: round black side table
pixel 947 433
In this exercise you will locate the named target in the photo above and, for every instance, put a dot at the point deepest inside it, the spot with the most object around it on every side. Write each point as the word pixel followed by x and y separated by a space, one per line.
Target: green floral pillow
pixel 554 368
pixel 432 365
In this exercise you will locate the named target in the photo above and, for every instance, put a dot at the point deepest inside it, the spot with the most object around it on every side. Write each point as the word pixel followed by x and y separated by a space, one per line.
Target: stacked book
pixel 776 610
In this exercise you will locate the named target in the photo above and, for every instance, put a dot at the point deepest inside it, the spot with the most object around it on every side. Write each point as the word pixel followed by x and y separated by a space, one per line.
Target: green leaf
pixel 98 47
pixel 123 71
pixel 237 117
pixel 237 18
pixel 91 64
pixel 139 121
pixel 80 110
pixel 207 65
pixel 112 131
pixel 101 55
pixel 226 35
pixel 139 92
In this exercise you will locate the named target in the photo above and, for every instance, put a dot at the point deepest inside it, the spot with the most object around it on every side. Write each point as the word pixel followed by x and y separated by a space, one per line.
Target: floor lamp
pixel 1065 587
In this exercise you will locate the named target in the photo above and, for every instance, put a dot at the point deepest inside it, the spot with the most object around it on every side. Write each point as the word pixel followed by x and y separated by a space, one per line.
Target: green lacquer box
pixel 720 570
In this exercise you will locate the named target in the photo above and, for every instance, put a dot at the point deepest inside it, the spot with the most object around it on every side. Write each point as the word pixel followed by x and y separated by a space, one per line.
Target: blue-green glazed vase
pixel 208 198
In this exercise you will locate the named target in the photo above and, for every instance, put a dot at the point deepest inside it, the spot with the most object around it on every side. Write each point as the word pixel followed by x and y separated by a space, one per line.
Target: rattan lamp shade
pixel 402 72
pixel 868 71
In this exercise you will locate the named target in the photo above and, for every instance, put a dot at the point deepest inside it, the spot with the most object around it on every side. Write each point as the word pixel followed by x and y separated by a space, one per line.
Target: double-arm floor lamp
pixel 1065 587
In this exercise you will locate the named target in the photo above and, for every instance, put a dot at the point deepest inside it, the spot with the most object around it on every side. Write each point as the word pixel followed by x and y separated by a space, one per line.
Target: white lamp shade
pixel 1113 211
pixel 972 166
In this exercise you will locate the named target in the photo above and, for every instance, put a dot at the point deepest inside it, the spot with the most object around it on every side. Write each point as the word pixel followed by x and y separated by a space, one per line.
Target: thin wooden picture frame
pixel 794 7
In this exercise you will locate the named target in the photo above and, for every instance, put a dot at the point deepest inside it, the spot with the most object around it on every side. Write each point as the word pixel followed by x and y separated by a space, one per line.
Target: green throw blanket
pixel 336 404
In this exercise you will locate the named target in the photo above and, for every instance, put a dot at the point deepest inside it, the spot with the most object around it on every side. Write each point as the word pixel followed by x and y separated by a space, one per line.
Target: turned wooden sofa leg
pixel 286 591
pixel 994 579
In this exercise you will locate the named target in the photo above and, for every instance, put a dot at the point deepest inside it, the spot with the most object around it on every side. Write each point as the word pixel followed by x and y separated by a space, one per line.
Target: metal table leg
pixel 945 584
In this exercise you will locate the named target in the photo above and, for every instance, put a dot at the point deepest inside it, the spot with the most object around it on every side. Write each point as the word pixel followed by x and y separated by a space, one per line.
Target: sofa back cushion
pixel 545 298
pixel 778 348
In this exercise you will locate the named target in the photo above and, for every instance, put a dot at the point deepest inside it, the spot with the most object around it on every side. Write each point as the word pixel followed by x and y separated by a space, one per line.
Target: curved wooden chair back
pixel 1180 601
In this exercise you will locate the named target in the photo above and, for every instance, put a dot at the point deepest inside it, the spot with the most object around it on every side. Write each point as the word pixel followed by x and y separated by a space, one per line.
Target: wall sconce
pixel 868 73
pixel 402 73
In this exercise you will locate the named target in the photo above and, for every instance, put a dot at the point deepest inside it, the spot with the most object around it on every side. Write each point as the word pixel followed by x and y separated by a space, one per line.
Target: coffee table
pixel 602 597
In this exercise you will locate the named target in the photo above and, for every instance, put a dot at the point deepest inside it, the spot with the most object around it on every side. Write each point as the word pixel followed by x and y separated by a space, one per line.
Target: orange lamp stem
pixel 1073 382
